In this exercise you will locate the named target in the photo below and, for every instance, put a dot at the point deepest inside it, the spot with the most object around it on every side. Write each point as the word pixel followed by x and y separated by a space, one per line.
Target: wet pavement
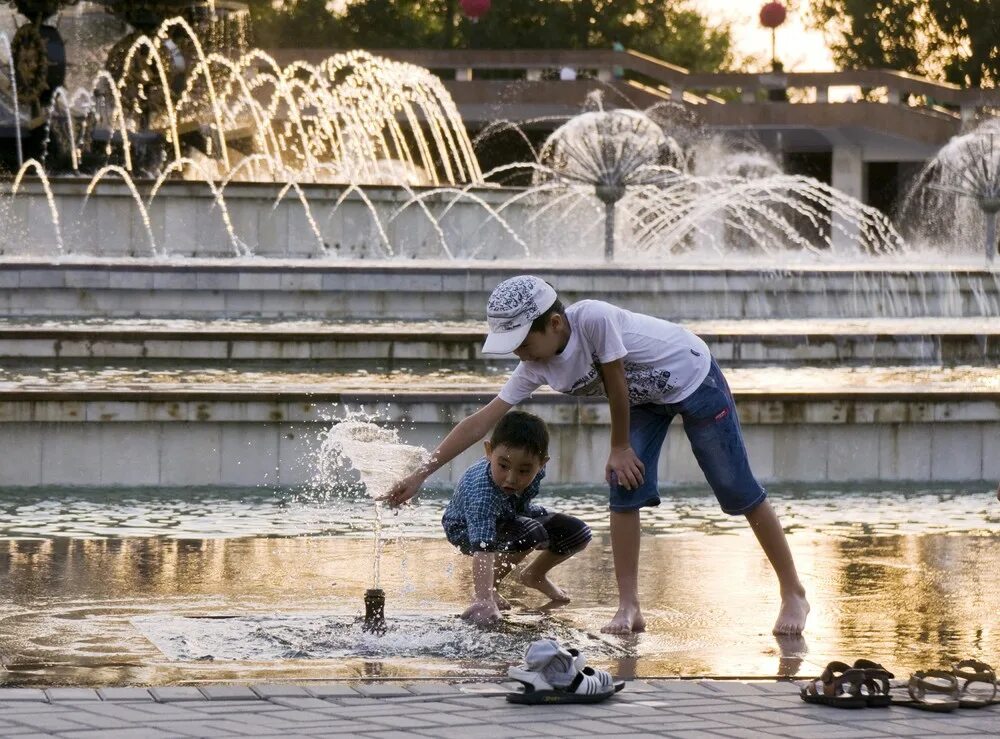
pixel 683 709
pixel 163 589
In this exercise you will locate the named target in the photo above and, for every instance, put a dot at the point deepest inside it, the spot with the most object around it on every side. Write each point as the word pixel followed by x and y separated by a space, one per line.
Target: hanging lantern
pixel 772 15
pixel 475 9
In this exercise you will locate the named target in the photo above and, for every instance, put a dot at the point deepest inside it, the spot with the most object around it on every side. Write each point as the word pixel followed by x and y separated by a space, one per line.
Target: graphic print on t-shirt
pixel 645 382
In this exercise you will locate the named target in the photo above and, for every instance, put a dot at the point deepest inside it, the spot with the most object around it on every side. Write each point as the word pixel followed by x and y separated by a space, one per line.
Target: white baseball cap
pixel 512 307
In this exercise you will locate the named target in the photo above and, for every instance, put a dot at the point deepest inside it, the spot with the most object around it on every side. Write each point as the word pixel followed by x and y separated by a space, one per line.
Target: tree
pixel 951 40
pixel 673 31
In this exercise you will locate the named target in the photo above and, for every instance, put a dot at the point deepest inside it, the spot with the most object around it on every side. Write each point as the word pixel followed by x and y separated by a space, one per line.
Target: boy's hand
pixel 482 613
pixel 404 490
pixel 626 467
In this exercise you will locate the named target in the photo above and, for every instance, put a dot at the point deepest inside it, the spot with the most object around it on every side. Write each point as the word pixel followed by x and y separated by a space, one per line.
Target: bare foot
pixel 628 620
pixel 502 603
pixel 792 616
pixel 544 585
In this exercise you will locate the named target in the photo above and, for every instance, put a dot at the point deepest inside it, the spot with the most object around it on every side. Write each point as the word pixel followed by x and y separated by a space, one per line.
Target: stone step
pixel 146 428
pixel 425 345
pixel 340 289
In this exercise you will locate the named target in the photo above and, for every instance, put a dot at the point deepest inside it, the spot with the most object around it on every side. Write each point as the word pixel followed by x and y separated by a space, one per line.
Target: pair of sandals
pixel 969 684
pixel 587 686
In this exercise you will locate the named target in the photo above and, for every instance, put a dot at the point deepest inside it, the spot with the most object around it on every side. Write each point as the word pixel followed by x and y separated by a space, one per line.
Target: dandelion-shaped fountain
pixel 969 167
pixel 379 458
pixel 610 151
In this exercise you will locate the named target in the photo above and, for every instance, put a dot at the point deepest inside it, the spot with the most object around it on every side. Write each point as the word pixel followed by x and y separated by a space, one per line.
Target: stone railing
pixel 468 65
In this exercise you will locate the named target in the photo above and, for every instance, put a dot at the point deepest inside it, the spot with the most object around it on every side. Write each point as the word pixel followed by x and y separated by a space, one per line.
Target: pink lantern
pixel 475 9
pixel 772 15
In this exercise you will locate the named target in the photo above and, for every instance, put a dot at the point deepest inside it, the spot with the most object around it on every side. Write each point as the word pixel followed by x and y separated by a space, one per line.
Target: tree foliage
pixel 956 41
pixel 673 31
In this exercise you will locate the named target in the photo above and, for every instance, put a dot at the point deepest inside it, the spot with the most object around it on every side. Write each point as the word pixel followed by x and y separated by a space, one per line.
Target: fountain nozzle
pixel 374 610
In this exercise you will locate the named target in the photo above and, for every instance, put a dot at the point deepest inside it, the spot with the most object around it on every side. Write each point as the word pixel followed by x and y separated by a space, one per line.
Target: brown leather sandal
pixel 875 686
pixel 838 686
pixel 977 684
pixel 931 690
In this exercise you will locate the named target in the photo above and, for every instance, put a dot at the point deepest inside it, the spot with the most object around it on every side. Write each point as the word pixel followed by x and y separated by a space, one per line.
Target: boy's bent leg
pixel 505 562
pixel 771 536
pixel 567 536
pixel 625 549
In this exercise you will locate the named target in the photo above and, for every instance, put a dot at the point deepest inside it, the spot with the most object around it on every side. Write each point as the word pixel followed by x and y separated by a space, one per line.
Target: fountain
pixel 375 455
pixel 966 171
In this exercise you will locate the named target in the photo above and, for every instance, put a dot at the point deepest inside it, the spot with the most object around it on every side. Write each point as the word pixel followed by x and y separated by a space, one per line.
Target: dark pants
pixel 558 532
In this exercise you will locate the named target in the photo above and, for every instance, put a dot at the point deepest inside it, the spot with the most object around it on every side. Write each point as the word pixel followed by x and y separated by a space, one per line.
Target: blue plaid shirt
pixel 478 503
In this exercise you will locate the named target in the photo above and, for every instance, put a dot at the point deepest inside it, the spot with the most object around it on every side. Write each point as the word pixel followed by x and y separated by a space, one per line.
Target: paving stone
pixel 474 732
pixel 144 732
pixel 306 702
pixel 680 686
pixel 228 692
pixel 21 694
pixel 333 690
pixel 208 728
pixel 44 722
pixel 728 688
pixel 378 690
pixel 433 688
pixel 403 722
pixel 125 694
pixel 388 734
pixel 71 694
pixel 279 691
pixel 172 694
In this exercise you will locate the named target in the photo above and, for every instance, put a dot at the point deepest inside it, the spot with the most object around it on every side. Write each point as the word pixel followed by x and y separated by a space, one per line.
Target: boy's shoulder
pixel 476 473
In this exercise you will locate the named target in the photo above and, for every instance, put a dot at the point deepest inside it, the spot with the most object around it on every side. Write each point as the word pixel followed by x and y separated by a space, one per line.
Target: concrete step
pixel 341 289
pixel 146 428
pixel 429 345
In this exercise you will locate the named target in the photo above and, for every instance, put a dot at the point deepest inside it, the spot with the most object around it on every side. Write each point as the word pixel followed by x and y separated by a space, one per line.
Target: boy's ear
pixel 488 448
pixel 545 460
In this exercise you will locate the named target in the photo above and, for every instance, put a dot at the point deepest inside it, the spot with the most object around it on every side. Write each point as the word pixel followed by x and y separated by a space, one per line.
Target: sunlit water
pixel 175 586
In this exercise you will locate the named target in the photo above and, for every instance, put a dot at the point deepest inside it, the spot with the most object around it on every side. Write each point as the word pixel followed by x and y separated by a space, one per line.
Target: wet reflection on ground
pixel 909 580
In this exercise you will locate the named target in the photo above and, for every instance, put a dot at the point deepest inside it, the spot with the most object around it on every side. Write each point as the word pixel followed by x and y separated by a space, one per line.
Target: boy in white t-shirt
pixel 650 370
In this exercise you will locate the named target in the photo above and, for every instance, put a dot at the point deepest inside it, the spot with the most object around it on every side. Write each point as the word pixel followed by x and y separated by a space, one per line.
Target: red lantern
pixel 475 9
pixel 772 15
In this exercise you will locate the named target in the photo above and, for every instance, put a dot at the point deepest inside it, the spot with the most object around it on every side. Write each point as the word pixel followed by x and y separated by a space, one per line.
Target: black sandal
pixel 876 686
pixel 838 686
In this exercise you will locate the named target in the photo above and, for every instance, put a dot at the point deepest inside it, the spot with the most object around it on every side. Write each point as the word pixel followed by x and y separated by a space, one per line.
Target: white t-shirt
pixel 664 362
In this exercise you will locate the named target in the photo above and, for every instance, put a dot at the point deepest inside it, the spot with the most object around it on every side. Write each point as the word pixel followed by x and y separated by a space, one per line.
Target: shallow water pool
pixel 200 585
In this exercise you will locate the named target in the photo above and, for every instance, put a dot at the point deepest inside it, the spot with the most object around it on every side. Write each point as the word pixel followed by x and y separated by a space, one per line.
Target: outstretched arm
pixel 623 461
pixel 465 434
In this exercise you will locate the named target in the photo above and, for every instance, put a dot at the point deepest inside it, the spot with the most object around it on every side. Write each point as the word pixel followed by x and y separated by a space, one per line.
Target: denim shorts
pixel 713 428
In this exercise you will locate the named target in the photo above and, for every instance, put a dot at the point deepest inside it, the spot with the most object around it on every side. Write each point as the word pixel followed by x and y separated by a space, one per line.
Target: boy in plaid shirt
pixel 493 517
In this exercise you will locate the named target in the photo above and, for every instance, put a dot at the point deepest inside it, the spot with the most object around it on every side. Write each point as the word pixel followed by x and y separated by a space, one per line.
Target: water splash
pixel 377 456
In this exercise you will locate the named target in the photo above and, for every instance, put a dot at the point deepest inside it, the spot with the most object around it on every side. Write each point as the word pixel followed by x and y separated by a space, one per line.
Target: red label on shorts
pixel 722 414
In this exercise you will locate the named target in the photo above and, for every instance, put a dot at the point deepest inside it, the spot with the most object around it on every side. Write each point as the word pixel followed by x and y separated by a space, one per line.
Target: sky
pixel 800 48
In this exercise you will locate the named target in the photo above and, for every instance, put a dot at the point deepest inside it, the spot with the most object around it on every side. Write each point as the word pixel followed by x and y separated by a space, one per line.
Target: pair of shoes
pixel 556 674
pixel 865 685
pixel 969 684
